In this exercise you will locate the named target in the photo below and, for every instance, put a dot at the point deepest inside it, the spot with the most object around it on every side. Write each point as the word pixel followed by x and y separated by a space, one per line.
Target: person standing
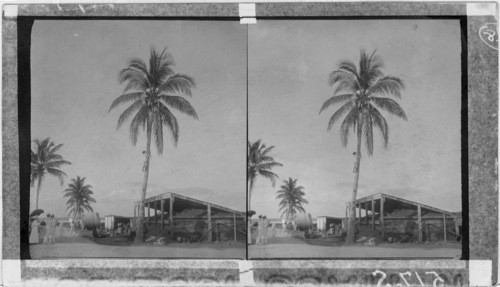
pixel 34 238
pixel 283 224
pixel 273 229
pixel 48 229
pixel 53 223
pixel 265 226
pixel 259 230
pixel 72 226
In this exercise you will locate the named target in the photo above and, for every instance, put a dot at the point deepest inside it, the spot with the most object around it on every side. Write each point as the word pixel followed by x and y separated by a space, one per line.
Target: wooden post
pixel 427 233
pixel 346 214
pixel 135 210
pixel 444 226
pixel 382 226
pixel 234 226
pixel 156 211
pixel 373 214
pixel 162 206
pixel 171 216
pixel 149 210
pixel 366 213
pixel 209 214
pixel 359 212
pixel 419 223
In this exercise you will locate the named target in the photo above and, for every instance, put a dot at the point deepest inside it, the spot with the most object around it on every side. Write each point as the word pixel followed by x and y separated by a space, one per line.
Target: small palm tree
pixel 79 197
pixel 259 163
pixel 291 199
pixel 362 94
pixel 45 160
pixel 153 91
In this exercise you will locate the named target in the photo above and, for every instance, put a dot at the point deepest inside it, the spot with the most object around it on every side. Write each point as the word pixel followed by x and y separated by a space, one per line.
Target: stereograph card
pixel 250 144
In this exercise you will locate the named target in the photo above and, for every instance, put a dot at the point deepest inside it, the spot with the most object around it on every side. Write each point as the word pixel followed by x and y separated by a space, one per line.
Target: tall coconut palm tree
pixel 291 198
pixel 362 92
pixel 79 197
pixel 45 160
pixel 259 163
pixel 152 91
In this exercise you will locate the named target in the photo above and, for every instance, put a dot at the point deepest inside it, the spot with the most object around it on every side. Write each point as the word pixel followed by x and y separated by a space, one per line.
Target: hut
pixel 394 216
pixel 180 216
pixel 111 221
pixel 323 223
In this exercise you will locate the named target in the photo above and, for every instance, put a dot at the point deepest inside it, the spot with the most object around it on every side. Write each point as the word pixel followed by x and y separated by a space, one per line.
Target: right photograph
pixel 354 138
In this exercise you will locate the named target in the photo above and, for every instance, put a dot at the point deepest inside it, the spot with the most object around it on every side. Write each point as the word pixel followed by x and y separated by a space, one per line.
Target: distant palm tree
pixel 46 160
pixel 153 91
pixel 79 197
pixel 362 94
pixel 291 199
pixel 259 163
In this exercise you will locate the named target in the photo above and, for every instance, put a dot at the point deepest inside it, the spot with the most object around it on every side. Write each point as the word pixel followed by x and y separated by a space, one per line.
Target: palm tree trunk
pixel 249 229
pixel 352 214
pixel 39 186
pixel 139 236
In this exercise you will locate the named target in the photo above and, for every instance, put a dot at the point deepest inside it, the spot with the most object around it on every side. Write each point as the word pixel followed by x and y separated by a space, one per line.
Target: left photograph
pixel 138 139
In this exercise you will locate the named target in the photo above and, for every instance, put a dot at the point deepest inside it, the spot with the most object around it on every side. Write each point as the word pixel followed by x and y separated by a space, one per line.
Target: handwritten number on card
pixel 419 279
pixel 402 275
pixel 435 283
pixel 489 35
pixel 379 283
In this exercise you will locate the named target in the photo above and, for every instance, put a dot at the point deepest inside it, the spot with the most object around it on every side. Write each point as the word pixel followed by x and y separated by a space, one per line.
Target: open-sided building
pixel 391 215
pixel 185 217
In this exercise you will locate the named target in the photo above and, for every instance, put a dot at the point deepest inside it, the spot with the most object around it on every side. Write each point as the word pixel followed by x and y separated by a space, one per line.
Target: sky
pixel 75 65
pixel 289 64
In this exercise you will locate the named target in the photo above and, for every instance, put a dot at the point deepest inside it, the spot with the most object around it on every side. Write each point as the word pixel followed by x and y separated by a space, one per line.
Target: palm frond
pixel 343 78
pixel 171 122
pixel 390 86
pixel 268 165
pixel 349 67
pixel 58 173
pixel 135 79
pixel 368 133
pixel 380 123
pixel 158 132
pixel 139 121
pixel 178 84
pixel 269 175
pixel 52 150
pixel 180 104
pixel 125 98
pixel 349 122
pixel 335 100
pixel 390 106
pixel 339 113
pixel 128 112
pixel 139 65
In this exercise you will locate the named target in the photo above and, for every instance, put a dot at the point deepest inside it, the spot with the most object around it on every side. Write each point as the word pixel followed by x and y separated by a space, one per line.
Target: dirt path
pixel 79 247
pixel 303 250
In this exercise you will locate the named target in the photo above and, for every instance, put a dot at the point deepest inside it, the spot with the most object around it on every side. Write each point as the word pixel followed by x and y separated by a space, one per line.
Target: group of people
pixel 262 230
pixel 50 229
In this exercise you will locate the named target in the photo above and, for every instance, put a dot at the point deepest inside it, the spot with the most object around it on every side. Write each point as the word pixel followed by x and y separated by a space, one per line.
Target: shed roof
pixel 393 203
pixel 182 203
